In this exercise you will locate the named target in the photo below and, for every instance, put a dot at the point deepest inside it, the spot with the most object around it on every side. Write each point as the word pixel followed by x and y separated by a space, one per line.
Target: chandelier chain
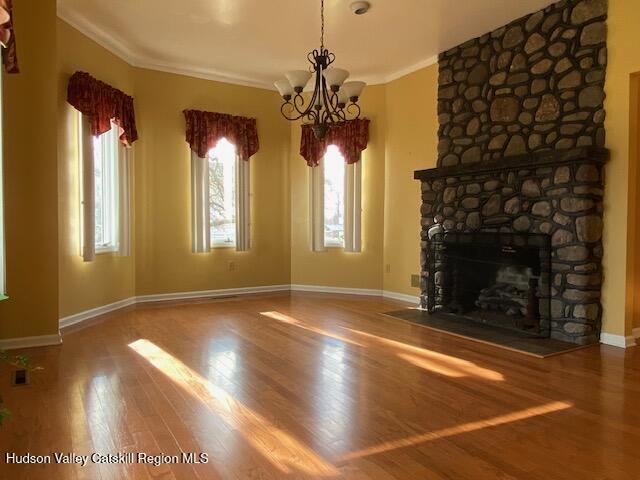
pixel 322 25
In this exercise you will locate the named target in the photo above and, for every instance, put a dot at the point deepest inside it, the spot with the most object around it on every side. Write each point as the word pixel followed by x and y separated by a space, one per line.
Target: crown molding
pixel 122 51
pixel 96 34
pixel 205 74
pixel 126 53
pixel 427 62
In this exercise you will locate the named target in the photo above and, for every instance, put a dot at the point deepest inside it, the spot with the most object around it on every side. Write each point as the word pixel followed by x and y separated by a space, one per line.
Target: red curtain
pixel 351 137
pixel 103 104
pixel 205 129
pixel 7 37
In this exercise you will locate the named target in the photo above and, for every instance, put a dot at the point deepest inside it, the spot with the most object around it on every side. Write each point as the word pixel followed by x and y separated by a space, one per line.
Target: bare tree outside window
pixel 222 194
pixel 334 168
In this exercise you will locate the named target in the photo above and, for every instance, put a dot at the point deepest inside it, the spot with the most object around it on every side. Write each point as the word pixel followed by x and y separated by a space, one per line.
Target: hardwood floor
pixel 318 386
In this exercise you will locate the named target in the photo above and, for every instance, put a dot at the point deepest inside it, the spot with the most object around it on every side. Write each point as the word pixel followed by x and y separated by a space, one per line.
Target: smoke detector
pixel 360 8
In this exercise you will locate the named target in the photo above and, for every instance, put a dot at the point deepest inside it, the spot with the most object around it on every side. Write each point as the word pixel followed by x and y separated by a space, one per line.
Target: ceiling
pixel 252 42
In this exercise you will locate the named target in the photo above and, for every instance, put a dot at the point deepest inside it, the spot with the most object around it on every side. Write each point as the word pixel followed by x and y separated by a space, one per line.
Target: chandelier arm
pixel 312 57
pixel 335 107
pixel 299 99
pixel 292 109
pixel 354 107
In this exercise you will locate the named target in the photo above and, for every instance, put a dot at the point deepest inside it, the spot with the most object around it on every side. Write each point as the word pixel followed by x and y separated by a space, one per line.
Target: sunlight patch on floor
pixel 430 360
pixel 282 450
pixel 281 317
pixel 459 429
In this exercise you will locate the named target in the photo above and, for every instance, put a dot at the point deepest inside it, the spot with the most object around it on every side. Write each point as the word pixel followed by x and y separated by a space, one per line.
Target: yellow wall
pixel 335 267
pixel 411 144
pixel 164 262
pixel 30 177
pixel 624 60
pixel 84 285
pixel 633 236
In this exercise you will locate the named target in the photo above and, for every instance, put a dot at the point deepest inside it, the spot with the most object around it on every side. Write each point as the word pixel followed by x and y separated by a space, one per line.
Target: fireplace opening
pixel 497 279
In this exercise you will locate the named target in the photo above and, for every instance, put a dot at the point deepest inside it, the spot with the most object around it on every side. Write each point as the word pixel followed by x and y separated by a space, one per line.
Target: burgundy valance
pixel 7 37
pixel 206 129
pixel 351 137
pixel 102 104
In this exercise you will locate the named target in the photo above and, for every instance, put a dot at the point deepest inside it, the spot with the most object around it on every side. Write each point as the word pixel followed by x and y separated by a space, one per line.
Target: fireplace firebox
pixel 498 279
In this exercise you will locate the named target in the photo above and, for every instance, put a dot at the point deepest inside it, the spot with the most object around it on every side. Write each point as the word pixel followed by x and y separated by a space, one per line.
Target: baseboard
pixel 94 312
pixel 341 290
pixel 617 340
pixel 163 297
pixel 28 342
pixel 401 296
pixel 223 292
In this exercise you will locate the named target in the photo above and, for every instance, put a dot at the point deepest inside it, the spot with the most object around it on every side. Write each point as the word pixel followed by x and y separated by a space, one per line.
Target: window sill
pixel 223 246
pixel 105 250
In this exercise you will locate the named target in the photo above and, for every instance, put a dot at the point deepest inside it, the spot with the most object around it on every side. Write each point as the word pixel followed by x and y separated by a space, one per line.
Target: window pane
pixel 333 164
pixel 98 168
pixel 222 193
pixel 105 176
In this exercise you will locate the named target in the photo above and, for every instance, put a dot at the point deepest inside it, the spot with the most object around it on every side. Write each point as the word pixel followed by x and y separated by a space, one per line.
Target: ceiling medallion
pixel 333 100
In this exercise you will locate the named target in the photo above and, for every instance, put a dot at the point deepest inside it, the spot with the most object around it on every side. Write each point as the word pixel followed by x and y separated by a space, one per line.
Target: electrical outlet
pixel 415 281
pixel 232 266
pixel 387 268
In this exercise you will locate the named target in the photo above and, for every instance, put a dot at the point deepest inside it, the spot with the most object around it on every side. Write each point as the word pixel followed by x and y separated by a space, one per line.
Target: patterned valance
pixel 103 104
pixel 7 37
pixel 205 129
pixel 351 137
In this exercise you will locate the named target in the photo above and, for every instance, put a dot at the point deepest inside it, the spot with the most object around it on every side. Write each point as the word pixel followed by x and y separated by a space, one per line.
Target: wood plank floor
pixel 319 386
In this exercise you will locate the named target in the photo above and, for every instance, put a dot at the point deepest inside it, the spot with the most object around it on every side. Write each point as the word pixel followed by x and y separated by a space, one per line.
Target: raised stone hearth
pixel 557 193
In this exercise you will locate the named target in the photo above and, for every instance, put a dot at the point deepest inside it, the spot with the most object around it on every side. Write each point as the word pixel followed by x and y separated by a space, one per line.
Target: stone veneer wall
pixel 535 84
pixel 555 193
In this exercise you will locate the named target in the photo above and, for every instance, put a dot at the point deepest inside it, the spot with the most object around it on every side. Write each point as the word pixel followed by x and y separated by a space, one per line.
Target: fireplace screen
pixel 498 279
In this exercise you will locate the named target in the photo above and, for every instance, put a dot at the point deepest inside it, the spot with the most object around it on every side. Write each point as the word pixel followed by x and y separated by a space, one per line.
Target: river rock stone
pixel 587 10
pixel 505 109
pixel 593 34
pixel 492 206
pixel 589 228
pixel 514 36
pixel 549 109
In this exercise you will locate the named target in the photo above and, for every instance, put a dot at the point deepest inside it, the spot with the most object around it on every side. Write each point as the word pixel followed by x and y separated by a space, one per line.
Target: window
pixel 335 203
pixel 334 169
pixel 105 176
pixel 220 200
pixel 222 194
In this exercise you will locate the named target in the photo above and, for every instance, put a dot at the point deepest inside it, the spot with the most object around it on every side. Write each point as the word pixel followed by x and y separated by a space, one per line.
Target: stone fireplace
pixel 521 154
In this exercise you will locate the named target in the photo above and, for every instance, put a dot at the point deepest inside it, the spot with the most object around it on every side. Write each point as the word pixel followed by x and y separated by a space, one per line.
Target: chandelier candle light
pixel 326 106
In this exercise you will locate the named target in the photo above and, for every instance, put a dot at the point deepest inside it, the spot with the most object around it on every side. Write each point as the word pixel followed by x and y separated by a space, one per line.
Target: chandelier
pixel 326 106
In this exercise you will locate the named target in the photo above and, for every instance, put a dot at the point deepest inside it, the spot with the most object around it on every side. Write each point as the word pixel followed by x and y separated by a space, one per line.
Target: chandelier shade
pixel 333 100
pixel 284 88
pixel 335 77
pixel 298 79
